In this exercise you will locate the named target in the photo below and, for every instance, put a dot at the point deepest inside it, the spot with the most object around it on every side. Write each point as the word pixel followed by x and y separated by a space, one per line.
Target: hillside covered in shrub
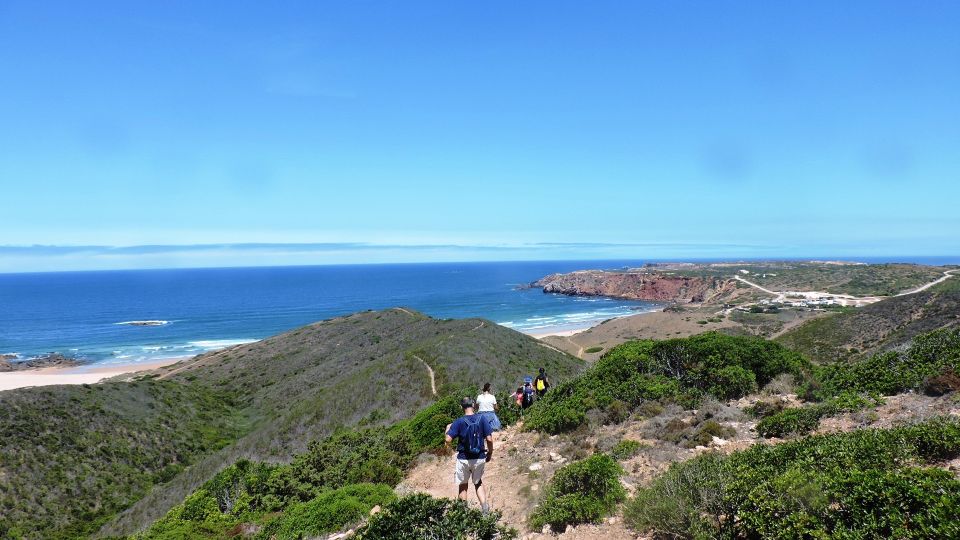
pixel 890 323
pixel 864 484
pixel 146 445
pixel 333 484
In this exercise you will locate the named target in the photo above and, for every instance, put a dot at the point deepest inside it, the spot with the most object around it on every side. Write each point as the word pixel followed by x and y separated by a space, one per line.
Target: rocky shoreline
pixel 8 362
pixel 639 285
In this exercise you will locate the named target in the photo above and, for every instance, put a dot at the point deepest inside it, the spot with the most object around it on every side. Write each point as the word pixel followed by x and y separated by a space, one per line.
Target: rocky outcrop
pixel 632 285
pixel 7 362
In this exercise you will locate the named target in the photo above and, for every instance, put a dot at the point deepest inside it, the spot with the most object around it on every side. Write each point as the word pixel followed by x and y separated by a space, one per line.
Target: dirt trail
pixel 542 344
pixel 575 344
pixel 512 487
pixel 857 300
pixel 433 380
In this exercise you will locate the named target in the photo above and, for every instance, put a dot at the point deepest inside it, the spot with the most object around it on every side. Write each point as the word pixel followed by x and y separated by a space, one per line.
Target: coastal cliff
pixel 648 286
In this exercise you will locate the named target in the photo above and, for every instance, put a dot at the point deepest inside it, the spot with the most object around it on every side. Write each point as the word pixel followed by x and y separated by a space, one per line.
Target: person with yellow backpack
pixel 541 383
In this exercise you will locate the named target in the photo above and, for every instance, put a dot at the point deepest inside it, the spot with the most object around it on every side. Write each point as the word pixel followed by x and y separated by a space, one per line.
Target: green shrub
pixel 592 350
pixel 706 431
pixel 426 428
pixel 683 502
pixel 419 516
pixel 678 370
pixel 863 484
pixel 509 413
pixel 763 409
pixel 582 492
pixel 626 449
pixel 803 420
pixel 893 372
pixel 330 511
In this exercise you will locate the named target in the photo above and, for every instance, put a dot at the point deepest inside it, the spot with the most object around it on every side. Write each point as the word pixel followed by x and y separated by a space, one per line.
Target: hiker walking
pixel 518 397
pixel 541 383
pixel 529 394
pixel 487 408
pixel 474 450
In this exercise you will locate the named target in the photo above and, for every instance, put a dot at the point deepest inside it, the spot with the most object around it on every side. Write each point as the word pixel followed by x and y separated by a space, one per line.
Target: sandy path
pixel 946 275
pixel 857 300
pixel 433 380
pixel 511 487
pixel 74 375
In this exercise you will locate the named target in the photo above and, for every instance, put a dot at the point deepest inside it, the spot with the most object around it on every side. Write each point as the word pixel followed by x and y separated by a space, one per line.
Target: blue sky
pixel 401 131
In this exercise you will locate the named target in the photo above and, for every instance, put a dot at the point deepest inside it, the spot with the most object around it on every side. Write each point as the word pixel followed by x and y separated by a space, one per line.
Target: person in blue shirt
pixel 474 449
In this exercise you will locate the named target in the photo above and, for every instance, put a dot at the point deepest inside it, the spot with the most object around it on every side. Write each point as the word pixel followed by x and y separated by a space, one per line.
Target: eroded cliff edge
pixel 638 285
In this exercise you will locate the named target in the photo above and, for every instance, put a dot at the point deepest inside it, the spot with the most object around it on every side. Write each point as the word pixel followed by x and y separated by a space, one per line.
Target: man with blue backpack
pixel 474 450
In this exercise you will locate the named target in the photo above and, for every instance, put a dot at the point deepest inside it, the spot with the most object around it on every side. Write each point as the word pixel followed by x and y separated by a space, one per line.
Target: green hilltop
pixel 118 455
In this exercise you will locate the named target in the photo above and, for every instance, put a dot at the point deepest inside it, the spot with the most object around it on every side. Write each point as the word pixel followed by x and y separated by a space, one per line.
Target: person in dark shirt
pixel 474 450
pixel 541 383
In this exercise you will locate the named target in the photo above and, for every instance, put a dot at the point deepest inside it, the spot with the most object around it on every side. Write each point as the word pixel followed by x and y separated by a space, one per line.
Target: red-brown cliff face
pixel 639 286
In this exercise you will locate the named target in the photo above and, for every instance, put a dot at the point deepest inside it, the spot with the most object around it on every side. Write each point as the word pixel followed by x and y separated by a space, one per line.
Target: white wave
pixel 157 322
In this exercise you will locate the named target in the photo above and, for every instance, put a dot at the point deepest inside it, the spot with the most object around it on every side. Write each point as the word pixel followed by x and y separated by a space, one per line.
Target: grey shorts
pixel 469 470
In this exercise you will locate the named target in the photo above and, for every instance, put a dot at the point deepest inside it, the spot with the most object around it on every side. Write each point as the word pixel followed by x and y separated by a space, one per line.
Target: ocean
pixel 95 315
pixel 99 316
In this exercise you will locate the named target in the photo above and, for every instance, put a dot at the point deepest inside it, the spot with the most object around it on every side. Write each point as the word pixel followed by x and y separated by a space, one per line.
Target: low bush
pixel 765 408
pixel 626 449
pixel 330 511
pixel 863 484
pixel 893 372
pixel 582 492
pixel 426 428
pixel 803 420
pixel 509 412
pixel 334 483
pixel 706 431
pixel 592 350
pixel 419 516
pixel 678 370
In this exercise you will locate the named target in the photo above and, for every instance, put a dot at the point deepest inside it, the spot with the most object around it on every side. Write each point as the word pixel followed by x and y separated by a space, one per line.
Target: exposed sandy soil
pixel 895 411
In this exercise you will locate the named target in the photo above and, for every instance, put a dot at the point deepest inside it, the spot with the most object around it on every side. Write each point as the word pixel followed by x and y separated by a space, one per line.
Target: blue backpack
pixel 473 442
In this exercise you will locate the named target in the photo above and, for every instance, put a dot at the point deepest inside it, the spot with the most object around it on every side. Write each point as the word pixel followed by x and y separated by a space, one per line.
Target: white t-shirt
pixel 485 402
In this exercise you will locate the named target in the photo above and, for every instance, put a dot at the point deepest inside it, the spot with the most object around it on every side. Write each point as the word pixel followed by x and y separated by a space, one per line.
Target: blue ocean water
pixel 82 313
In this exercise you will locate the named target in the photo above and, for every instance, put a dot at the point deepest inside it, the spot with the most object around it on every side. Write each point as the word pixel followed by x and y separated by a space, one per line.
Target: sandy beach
pixel 560 333
pixel 76 374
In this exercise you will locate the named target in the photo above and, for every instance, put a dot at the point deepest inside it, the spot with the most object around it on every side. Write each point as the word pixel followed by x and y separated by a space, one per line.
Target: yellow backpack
pixel 541 384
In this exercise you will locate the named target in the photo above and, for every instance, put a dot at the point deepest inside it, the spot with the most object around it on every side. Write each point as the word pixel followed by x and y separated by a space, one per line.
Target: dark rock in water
pixel 145 323
pixel 50 360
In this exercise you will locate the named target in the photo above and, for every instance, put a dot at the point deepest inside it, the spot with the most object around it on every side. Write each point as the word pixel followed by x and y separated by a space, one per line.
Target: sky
pixel 152 134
